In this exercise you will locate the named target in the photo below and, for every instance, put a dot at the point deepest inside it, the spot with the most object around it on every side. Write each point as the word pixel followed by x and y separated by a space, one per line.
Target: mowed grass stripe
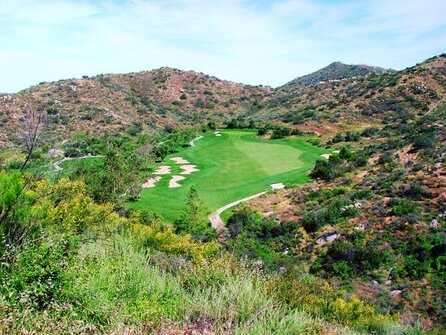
pixel 232 166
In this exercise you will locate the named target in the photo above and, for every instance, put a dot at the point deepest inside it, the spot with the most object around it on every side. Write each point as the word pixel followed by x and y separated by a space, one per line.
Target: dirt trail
pixel 217 222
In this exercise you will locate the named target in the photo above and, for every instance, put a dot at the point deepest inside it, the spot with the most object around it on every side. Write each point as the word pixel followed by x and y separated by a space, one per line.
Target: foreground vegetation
pixel 100 272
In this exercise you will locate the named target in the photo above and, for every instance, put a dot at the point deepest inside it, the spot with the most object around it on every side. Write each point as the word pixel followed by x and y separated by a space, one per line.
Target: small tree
pixel 194 218
pixel 34 126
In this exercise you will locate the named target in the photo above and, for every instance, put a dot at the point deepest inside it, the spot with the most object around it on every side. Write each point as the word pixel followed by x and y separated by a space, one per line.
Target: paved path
pixel 192 143
pixel 57 166
pixel 217 222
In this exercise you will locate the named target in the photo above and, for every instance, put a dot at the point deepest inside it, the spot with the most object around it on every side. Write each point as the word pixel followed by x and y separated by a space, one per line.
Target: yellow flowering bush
pixel 322 300
pixel 162 238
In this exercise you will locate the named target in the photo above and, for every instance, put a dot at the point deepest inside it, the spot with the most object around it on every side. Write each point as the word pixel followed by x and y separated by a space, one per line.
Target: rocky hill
pixel 361 102
pixel 336 71
pixel 135 102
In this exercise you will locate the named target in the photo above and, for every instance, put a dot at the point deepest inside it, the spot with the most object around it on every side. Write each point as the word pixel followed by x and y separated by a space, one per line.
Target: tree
pixel 233 124
pixel 212 125
pixel 194 218
pixel 345 153
pixel 115 180
pixel 34 126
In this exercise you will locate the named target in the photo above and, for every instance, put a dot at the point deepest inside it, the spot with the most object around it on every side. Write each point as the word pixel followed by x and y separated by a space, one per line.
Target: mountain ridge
pixel 336 71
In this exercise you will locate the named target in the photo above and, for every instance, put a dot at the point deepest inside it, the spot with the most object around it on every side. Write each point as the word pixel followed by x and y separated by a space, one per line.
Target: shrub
pixel 403 206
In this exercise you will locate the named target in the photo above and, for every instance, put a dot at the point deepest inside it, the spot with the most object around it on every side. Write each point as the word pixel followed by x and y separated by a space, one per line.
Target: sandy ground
pixel 188 169
pixel 173 182
pixel 151 182
pixel 326 156
pixel 277 186
pixel 163 170
pixel 179 160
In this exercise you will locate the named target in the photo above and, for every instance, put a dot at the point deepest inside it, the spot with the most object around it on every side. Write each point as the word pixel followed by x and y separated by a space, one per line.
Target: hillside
pixel 119 103
pixel 335 71
pixel 373 222
pixel 358 103
pixel 149 101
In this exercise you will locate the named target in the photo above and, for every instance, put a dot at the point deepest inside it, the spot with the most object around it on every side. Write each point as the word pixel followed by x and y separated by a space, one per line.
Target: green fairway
pixel 232 166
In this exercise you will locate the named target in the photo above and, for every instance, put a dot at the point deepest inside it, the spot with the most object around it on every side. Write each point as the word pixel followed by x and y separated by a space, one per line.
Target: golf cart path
pixel 57 166
pixel 217 222
pixel 192 143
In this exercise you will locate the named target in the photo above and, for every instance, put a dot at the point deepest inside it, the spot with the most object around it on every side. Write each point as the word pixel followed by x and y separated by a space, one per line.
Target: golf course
pixel 228 165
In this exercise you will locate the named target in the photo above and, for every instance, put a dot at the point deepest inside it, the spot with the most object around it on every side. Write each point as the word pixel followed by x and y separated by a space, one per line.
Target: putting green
pixel 232 166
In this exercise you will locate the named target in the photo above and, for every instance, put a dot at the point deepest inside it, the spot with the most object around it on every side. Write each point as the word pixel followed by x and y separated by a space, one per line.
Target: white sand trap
pixel 163 170
pixel 188 169
pixel 179 160
pixel 151 182
pixel 277 186
pixel 217 134
pixel 173 182
pixel 326 156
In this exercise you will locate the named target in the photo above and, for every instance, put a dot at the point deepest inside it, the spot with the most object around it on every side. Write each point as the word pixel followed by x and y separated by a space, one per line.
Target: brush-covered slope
pixel 118 103
pixel 335 71
pixel 353 103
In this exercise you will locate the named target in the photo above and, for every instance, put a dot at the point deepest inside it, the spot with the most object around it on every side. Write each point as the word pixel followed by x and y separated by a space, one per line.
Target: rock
pixel 56 153
pixel 395 292
pixel 321 241
pixel 374 282
pixel 332 238
pixel 282 270
pixel 388 282
pixel 327 239
pixel 361 227
pixel 434 224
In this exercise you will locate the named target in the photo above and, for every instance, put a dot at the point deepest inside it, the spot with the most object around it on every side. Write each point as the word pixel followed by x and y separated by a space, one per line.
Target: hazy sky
pixel 254 42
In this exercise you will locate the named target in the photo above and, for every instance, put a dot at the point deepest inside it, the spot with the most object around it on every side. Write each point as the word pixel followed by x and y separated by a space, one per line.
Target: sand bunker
pixel 173 182
pixel 188 169
pixel 151 182
pixel 277 186
pixel 217 133
pixel 326 156
pixel 163 170
pixel 179 160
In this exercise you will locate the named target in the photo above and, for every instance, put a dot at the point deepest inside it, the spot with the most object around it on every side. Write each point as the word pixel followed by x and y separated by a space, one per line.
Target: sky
pixel 253 42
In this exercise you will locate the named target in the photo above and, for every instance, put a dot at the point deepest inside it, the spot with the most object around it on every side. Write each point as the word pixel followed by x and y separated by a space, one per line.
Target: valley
pixel 231 166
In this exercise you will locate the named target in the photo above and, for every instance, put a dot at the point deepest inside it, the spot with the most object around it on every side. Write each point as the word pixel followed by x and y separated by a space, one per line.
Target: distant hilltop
pixel 336 71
